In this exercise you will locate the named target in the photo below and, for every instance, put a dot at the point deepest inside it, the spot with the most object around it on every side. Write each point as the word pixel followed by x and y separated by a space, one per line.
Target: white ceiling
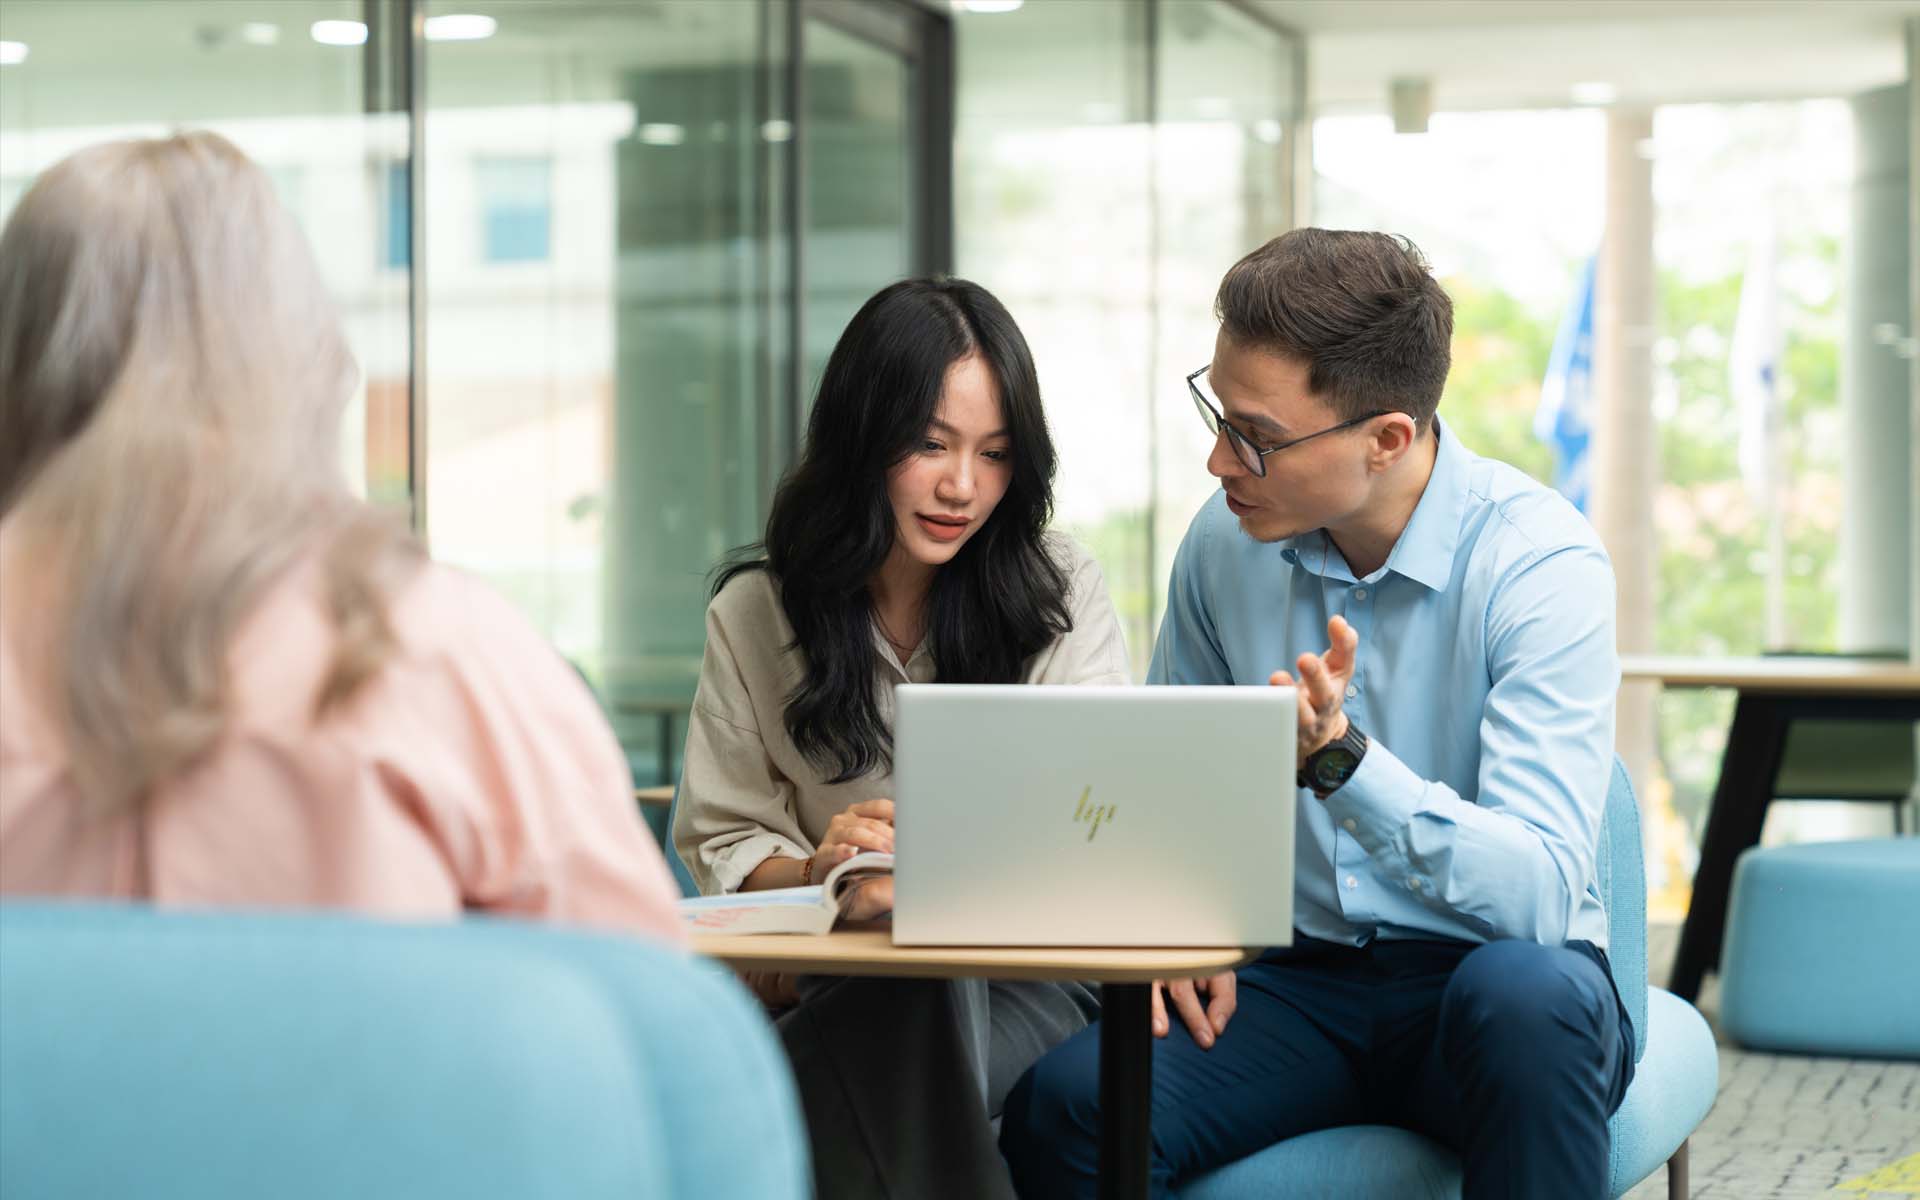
pixel 103 59
pixel 1482 54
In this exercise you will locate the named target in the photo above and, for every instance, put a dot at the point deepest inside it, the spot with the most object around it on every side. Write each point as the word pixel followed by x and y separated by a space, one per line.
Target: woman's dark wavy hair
pixel 1001 600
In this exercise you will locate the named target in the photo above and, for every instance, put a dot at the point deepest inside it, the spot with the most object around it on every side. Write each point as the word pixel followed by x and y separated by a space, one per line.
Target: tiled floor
pixel 1787 1127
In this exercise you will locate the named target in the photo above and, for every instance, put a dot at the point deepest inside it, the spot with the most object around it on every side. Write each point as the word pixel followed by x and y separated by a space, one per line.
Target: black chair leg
pixel 1677 1188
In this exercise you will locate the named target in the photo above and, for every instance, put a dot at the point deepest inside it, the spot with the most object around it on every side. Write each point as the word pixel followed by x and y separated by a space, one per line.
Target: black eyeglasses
pixel 1253 457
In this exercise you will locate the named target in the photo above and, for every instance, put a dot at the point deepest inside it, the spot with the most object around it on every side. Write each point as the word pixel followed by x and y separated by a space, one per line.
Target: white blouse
pixel 747 793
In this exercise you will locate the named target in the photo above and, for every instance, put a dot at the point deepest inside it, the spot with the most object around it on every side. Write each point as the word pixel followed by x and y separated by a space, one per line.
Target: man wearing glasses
pixel 1449 625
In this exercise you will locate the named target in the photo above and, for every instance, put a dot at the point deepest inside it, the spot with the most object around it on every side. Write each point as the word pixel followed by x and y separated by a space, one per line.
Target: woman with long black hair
pixel 909 544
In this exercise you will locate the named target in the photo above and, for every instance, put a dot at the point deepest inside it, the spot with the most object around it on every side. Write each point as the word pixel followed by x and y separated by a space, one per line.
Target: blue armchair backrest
pixel 238 1055
pixel 681 875
pixel 1622 882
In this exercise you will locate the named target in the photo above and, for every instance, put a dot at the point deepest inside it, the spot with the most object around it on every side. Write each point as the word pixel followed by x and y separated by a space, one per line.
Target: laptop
pixel 1093 816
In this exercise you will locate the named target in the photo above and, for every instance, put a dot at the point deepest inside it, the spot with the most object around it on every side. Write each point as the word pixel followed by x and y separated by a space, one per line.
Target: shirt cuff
pixel 732 863
pixel 1378 800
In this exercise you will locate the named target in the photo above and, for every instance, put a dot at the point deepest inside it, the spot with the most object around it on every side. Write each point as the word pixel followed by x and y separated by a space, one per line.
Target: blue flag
pixel 1564 419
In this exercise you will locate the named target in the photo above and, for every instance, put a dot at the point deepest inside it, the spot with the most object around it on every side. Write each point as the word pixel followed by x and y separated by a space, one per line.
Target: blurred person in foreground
pixel 225 680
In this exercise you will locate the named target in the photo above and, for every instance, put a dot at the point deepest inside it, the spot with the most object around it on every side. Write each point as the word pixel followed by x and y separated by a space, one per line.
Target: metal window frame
pixel 924 37
pixel 393 66
pixel 1297 183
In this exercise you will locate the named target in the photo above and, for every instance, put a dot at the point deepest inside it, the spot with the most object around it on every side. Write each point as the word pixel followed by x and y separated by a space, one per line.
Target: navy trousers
pixel 1513 1053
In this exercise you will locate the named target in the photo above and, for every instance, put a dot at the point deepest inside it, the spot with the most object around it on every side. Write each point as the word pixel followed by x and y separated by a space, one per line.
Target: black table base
pixel 1749 769
pixel 1126 1089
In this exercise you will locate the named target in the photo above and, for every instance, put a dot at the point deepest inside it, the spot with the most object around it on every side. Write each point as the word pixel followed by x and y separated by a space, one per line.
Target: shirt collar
pixel 890 658
pixel 1424 552
pixel 1314 552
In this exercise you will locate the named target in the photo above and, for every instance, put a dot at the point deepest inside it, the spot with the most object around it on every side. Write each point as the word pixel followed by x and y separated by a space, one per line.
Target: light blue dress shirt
pixel 1484 681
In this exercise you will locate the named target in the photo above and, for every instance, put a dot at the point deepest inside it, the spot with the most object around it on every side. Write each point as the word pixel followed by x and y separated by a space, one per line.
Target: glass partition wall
pixel 1112 160
pixel 593 253
pixel 295 84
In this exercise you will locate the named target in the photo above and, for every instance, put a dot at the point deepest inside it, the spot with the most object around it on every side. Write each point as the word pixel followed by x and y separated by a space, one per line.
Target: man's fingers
pixel 1187 1003
pixel 878 810
pixel 1223 1000
pixel 1279 679
pixel 1159 1012
pixel 1309 719
pixel 1313 673
pixel 1321 684
pixel 1342 641
pixel 1319 669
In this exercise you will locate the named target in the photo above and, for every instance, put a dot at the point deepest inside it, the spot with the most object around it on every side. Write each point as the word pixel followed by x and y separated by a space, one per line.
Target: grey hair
pixel 172 379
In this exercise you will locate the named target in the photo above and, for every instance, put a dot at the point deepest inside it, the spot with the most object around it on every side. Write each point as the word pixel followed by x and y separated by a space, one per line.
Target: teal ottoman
pixel 1823 949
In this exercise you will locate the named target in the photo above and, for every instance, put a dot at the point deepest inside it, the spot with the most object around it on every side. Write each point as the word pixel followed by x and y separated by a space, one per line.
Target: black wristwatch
pixel 1334 763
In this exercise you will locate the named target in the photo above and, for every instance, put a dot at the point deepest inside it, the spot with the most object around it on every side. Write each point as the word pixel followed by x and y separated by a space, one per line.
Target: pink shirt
pixel 474 772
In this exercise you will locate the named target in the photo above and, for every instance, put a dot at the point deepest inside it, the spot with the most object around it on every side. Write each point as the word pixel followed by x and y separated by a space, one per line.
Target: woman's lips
pixel 945 529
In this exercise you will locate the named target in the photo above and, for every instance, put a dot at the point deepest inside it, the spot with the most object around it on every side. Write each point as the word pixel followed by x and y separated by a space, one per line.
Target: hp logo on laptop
pixel 1095 815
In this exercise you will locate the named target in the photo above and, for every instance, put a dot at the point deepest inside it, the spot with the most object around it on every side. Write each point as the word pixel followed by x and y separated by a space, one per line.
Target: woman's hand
pixel 867 825
pixel 868 898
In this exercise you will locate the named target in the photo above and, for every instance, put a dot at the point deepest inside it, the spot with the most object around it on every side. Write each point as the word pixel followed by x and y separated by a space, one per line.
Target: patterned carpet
pixel 1790 1128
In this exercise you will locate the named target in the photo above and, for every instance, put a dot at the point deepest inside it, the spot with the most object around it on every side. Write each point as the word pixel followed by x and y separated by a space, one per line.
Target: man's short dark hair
pixel 1361 310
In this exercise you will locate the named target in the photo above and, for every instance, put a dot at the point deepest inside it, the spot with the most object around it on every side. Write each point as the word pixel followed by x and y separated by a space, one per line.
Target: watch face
pixel 1334 766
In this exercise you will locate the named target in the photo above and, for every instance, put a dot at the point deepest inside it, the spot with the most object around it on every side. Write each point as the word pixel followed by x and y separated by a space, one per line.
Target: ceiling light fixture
pixel 460 27
pixel 987 6
pixel 339 33
pixel 12 53
pixel 1410 100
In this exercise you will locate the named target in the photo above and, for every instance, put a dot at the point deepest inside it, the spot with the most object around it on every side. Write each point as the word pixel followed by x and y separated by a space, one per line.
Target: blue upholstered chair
pixel 235 1055
pixel 1674 1083
pixel 675 863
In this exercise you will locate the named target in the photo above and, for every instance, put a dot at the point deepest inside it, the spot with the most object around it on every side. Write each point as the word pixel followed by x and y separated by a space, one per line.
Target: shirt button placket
pixel 1359 614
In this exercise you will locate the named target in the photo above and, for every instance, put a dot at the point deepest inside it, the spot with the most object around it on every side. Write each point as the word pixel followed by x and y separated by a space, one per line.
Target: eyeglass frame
pixel 1242 445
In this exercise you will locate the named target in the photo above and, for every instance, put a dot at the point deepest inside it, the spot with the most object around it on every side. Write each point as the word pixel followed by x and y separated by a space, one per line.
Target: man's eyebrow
pixel 942 427
pixel 1259 421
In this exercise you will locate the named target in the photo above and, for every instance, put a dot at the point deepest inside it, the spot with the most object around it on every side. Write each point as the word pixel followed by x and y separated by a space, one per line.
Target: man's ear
pixel 1391 437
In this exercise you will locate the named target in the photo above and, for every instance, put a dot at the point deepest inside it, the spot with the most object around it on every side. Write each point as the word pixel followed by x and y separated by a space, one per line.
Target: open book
pixel 784 910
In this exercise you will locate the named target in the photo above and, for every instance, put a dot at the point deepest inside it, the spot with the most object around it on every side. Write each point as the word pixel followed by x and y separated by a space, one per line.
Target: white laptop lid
pixel 1093 816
